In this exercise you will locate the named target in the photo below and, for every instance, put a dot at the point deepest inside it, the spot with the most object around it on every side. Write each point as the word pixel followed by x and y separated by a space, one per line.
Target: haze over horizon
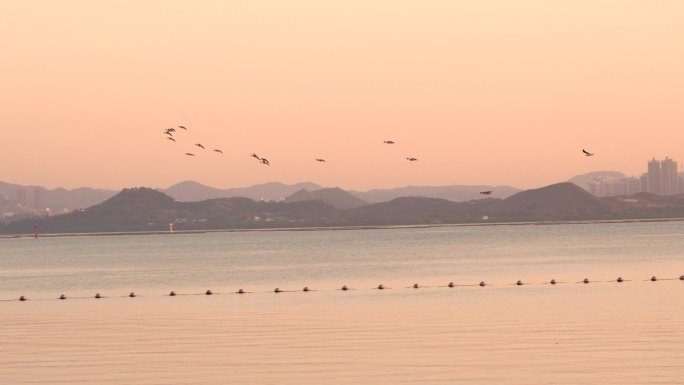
pixel 482 93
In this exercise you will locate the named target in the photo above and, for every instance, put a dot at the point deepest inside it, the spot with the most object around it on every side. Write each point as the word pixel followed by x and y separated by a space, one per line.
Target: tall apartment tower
pixel 662 177
pixel 653 184
pixel 668 176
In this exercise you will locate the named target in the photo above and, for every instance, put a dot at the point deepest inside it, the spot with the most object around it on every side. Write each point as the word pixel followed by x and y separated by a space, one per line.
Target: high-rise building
pixel 669 177
pixel 22 196
pixel 610 186
pixel 653 177
pixel 39 198
pixel 662 177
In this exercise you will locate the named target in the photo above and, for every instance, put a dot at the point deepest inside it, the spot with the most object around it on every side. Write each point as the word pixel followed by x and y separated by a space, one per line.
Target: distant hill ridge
pixel 335 196
pixel 148 209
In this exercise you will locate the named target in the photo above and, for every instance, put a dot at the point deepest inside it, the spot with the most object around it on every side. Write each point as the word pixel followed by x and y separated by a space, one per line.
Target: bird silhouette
pixel 255 156
pixel 170 138
pixel 320 160
pixel 219 151
pixel 183 127
pixel 587 153
pixel 199 145
pixel 412 159
pixel 265 161
pixel 486 192
pixel 388 142
pixel 189 154
pixel 170 130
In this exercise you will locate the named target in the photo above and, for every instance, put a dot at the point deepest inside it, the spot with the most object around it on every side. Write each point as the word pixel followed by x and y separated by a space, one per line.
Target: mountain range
pixel 147 209
pixel 60 200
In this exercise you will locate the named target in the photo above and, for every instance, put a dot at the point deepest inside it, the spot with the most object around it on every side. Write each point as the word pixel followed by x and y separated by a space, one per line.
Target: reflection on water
pixel 597 333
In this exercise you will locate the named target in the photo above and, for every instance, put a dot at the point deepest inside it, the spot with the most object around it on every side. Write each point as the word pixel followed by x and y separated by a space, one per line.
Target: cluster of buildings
pixel 661 178
pixel 27 202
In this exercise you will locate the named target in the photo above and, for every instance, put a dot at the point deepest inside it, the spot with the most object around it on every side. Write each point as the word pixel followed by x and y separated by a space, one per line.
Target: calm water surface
pixel 602 332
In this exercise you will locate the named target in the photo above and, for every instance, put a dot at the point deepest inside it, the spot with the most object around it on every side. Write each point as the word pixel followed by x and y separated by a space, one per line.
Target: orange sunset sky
pixel 481 92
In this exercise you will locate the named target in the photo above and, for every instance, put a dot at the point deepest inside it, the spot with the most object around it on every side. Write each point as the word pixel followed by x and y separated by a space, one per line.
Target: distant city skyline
pixel 493 93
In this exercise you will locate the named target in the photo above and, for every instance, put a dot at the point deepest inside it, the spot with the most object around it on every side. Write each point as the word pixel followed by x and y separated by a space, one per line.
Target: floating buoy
pixel 345 288
pixel 132 295
pixel 62 296
pixel 22 298
pixel 451 284
pixel 208 292
pixel 276 290
pixel 619 279
pixel 380 287
pixel 482 283
pixel 97 295
pixel 653 279
pixel 306 288
pixel 553 281
pixel 519 283
pixel 586 280
pixel 241 291
pixel 172 293
pixel 415 286
pixel 681 277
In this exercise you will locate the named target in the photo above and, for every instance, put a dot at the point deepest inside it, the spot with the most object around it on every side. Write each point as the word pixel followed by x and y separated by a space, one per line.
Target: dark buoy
pixel 553 281
pixel 586 280
pixel 519 283
pixel 172 293
pixel 653 279
pixel 619 279
pixel 132 295
pixel 276 290
pixel 208 292
pixel 451 284
pixel 483 284
pixel 241 291
pixel 306 288
pixel 415 286
pixel 380 287
pixel 22 298
pixel 681 277
pixel 62 296
pixel 98 296
pixel 345 288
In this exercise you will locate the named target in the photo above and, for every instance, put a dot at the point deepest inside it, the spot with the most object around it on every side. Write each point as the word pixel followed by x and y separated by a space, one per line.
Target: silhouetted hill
pixel 454 193
pixel 140 209
pixel 190 191
pixel 561 201
pixel 584 179
pixel 333 196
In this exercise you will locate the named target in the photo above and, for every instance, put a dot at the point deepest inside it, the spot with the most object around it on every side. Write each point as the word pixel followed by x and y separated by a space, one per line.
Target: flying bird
pixel 412 159
pixel 265 161
pixel 189 154
pixel 199 145
pixel 168 133
pixel 486 192
pixel 183 127
pixel 320 160
pixel 219 151
pixel 255 156
pixel 170 138
pixel 388 142
pixel 587 153
pixel 170 130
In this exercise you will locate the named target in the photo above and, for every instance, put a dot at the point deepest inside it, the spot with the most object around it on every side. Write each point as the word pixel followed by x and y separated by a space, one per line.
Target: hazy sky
pixel 482 92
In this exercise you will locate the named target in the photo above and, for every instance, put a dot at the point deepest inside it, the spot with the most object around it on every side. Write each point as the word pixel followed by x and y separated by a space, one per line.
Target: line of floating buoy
pixel 379 287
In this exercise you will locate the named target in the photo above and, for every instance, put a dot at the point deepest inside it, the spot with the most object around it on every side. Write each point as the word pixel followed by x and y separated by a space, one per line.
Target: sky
pixel 481 92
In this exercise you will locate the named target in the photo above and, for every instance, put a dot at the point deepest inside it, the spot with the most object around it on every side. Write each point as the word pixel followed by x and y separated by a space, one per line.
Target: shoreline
pixel 337 228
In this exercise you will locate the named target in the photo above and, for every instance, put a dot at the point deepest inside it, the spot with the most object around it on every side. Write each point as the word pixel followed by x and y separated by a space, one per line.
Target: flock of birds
pixel 171 131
